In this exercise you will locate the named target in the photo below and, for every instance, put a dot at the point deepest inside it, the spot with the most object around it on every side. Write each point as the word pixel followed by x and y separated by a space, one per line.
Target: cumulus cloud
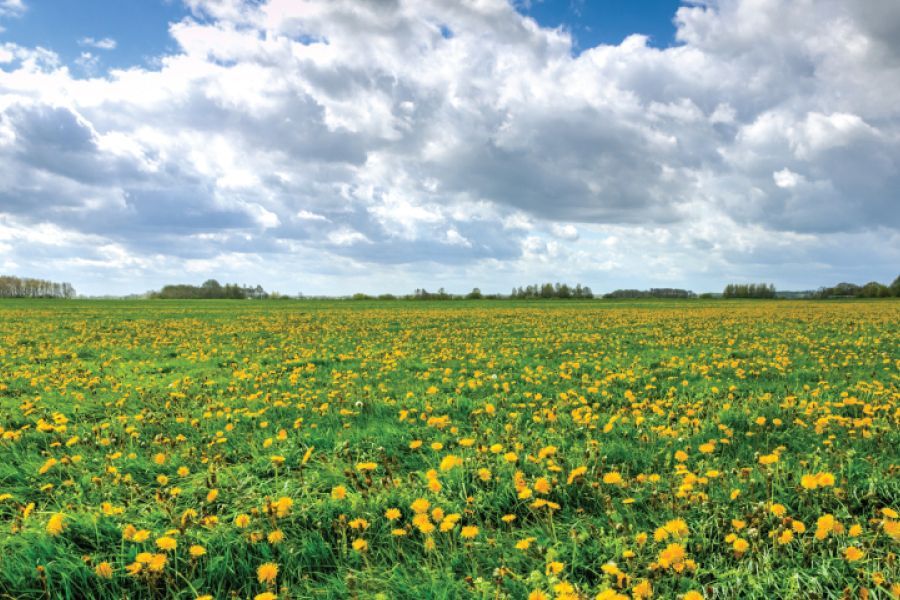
pixel 368 135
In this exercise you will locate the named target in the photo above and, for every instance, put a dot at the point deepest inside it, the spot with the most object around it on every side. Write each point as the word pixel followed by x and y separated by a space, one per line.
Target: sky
pixel 341 146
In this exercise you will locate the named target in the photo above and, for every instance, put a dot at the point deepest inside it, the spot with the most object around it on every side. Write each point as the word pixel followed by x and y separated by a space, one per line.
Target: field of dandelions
pixel 449 450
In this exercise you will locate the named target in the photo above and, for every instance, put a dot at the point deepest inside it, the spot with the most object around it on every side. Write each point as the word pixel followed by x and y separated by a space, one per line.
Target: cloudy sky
pixel 383 145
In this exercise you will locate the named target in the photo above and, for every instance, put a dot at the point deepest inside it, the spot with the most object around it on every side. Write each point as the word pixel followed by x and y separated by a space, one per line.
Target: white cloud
pixel 355 134
pixel 785 178
pixel 106 43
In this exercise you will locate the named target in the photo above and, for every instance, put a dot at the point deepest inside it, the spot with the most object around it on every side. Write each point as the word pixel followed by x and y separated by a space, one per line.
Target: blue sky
pixel 341 146
pixel 140 28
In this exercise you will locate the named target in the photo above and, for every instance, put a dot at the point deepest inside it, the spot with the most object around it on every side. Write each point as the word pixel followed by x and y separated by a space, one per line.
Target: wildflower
pixel 853 554
pixel 338 492
pixel 275 537
pixel 266 573
pixel 642 590
pixel 469 532
pixel 450 461
pixel 420 505
pixel 768 459
pixel 196 550
pixel 392 514
pixel 809 482
pixel 56 524
pixel 576 473
pixel 242 521
pixel 554 567
pixel 104 570
pixel 612 478
pixel 265 596
pixel 360 545
pixel 166 543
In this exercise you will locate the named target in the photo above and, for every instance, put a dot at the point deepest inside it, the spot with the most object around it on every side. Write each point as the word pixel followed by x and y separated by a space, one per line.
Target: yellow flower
pixel 554 567
pixel 157 563
pixel 450 461
pixel 693 595
pixel 809 482
pixel 778 510
pixel 338 492
pixel 420 505
pixel 197 550
pixel 825 479
pixel 366 466
pixel 266 573
pixel 576 473
pixel 853 554
pixel 141 536
pixel 786 536
pixel 538 595
pixel 275 537
pixel 104 570
pixel 283 506
pixel 360 545
pixel 166 543
pixel 768 459
pixel 392 514
pixel 265 596
pixel 740 545
pixel 613 478
pixel 468 532
pixel 56 524
pixel 642 590
pixel 242 521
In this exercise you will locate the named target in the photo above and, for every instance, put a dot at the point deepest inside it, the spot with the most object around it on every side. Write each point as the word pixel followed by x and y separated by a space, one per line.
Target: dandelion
pixel 196 550
pixel 360 545
pixel 469 532
pixel 338 492
pixel 266 573
pixel 392 514
pixel 853 554
pixel 242 521
pixel 612 478
pixel 275 537
pixel 56 524
pixel 166 543
pixel 104 570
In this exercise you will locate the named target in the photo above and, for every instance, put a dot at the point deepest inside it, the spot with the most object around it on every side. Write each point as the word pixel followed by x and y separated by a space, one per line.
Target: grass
pixel 597 448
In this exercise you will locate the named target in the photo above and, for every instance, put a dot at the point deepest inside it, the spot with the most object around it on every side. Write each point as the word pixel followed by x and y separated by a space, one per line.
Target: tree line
pixel 651 293
pixel 27 287
pixel 873 289
pixel 210 290
pixel 749 290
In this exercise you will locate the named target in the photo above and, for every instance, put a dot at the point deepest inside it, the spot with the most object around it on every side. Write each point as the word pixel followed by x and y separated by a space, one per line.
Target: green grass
pixel 103 387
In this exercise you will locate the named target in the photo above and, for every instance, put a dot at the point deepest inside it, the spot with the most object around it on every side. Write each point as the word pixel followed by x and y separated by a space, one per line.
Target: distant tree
pixel 18 287
pixel 475 294
pixel 895 287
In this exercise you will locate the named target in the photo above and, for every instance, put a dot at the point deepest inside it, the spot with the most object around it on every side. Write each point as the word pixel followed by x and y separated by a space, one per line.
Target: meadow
pixel 609 450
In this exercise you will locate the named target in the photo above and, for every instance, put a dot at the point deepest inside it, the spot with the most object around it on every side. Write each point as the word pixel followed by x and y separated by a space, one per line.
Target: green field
pixel 157 449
